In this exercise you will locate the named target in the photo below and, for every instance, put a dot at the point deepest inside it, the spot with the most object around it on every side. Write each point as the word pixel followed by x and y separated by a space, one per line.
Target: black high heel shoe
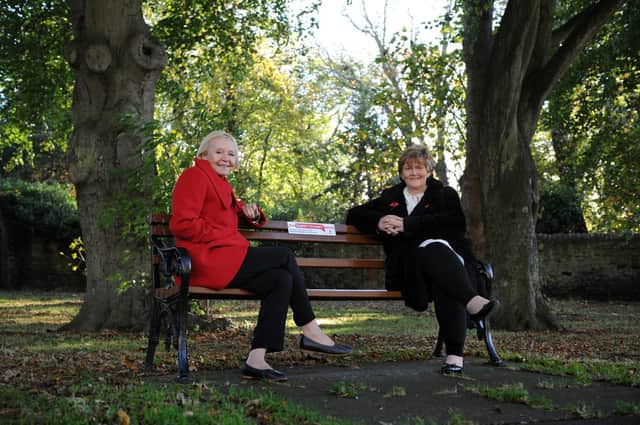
pixel 481 318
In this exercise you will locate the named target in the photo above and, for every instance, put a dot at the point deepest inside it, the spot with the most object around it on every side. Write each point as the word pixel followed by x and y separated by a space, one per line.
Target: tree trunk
pixel 116 65
pixel 510 71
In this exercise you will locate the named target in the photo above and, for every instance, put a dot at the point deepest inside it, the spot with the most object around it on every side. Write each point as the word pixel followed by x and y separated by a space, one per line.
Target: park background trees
pixel 319 133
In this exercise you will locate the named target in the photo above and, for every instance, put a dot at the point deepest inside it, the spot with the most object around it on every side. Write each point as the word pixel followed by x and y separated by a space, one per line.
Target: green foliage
pixel 594 124
pixel 369 150
pixel 318 137
pixel 424 89
pixel 274 101
pixel 48 208
pixel 35 88
pixel 559 210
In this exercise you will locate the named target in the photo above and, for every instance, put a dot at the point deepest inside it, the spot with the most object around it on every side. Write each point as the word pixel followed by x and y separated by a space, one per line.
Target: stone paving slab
pixel 430 396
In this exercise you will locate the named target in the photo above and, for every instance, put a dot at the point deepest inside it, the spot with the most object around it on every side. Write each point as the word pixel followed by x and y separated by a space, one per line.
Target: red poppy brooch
pixel 394 204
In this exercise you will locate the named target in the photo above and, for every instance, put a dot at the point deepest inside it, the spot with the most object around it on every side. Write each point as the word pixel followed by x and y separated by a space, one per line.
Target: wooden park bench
pixel 171 302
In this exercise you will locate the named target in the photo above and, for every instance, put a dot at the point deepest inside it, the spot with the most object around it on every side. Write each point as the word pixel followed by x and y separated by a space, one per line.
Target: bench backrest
pixel 275 230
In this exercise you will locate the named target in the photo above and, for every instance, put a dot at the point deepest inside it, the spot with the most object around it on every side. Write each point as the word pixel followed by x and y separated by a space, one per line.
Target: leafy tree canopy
pixel 592 118
pixel 35 88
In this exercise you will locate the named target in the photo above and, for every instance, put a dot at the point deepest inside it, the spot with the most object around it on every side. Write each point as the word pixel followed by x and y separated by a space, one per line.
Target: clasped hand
pixel 251 211
pixel 391 224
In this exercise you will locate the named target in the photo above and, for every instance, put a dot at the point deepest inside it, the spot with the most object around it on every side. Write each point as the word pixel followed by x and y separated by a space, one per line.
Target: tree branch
pixel 511 53
pixel 562 32
pixel 583 28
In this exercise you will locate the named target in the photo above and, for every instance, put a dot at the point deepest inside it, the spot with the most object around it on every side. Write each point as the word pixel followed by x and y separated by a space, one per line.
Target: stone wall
pixel 590 266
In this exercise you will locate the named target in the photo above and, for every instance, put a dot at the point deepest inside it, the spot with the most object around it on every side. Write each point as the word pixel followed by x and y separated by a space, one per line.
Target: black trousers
pixel 451 290
pixel 273 274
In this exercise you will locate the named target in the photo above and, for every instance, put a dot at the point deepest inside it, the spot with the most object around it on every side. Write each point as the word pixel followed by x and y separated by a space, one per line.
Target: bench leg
pixel 437 351
pixel 154 334
pixel 494 358
pixel 183 360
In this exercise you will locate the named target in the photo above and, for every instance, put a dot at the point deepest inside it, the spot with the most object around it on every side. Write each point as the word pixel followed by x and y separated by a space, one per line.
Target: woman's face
pixel 414 174
pixel 222 155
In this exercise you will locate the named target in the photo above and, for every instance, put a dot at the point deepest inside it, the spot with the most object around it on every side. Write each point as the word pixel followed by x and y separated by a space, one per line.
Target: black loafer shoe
pixel 249 372
pixel 486 311
pixel 307 344
pixel 451 369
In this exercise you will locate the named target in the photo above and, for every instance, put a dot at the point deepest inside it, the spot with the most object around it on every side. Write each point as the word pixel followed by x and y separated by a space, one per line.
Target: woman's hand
pixel 251 211
pixel 391 224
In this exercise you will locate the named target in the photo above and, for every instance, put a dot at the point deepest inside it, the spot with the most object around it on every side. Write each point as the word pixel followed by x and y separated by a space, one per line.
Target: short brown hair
pixel 417 152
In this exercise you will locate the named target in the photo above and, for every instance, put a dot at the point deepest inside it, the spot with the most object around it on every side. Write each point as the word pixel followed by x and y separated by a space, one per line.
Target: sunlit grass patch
pixel 340 318
pixel 23 298
pixel 29 312
pixel 63 343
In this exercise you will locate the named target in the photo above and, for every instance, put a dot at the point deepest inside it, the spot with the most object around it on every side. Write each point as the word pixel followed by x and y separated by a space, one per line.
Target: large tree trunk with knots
pixel 116 66
pixel 510 71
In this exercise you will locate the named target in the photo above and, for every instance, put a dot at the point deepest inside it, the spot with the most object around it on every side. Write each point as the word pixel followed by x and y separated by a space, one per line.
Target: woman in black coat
pixel 428 257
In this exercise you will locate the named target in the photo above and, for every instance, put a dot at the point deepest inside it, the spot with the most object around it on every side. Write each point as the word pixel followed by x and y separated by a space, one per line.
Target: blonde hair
pixel 416 152
pixel 217 134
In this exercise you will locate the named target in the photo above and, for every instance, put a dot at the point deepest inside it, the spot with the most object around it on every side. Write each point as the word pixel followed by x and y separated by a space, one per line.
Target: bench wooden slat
pixel 354 294
pixel 318 294
pixel 318 262
pixel 159 218
pixel 160 230
pixel 286 237
pixel 341 263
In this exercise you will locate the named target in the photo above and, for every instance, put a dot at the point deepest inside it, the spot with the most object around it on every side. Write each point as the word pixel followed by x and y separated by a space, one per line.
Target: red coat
pixel 205 223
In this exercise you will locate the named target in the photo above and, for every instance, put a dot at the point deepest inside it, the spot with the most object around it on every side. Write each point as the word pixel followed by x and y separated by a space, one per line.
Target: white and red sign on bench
pixel 300 228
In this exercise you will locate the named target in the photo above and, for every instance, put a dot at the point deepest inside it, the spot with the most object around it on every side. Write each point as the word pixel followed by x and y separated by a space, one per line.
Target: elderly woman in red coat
pixel 205 223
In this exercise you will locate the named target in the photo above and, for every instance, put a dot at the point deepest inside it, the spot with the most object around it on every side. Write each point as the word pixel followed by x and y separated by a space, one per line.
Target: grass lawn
pixel 50 376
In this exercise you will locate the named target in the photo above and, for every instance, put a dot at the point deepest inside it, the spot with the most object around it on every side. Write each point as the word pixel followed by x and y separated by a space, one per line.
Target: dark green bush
pixel 49 208
pixel 560 210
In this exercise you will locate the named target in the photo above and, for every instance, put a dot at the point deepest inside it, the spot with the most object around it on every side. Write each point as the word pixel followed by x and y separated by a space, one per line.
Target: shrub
pixel 49 208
